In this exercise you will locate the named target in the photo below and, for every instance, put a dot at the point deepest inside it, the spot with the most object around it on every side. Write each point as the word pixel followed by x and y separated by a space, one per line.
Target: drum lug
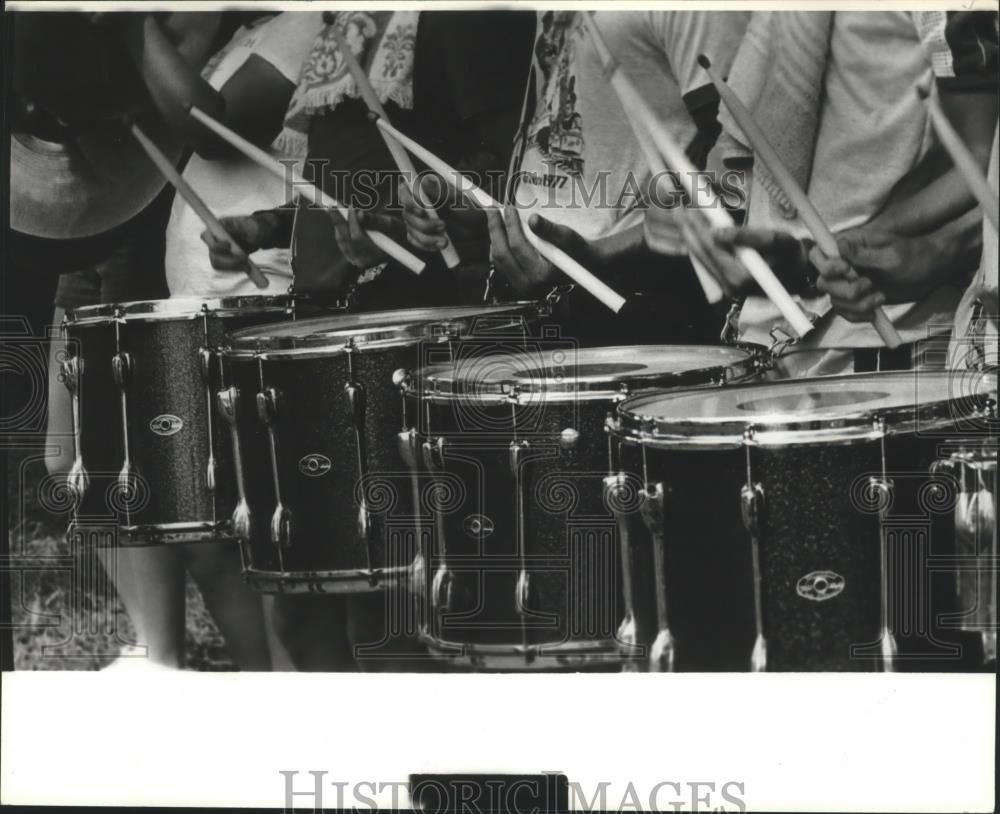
pixel 661 656
pixel 408 445
pixel 752 506
pixel 441 589
pixel 522 592
pixel 267 406
pixel 228 404
pixel 281 525
pixel 206 364
pixel 357 399
pixel 418 575
pixel 434 454
pixel 516 454
pixel 122 368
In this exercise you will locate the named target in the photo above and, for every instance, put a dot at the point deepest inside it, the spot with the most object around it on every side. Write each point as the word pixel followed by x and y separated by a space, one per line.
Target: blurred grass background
pixel 59 628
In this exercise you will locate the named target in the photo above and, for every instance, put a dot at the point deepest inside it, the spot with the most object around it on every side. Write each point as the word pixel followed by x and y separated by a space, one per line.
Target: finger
pixel 226 261
pixel 562 236
pixel 845 290
pixel 522 250
pixel 861 310
pixel 500 254
pixel 213 243
pixel 829 266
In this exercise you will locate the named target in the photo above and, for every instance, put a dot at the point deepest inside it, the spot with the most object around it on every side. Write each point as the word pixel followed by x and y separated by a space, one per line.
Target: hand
pixel 513 255
pixel 852 295
pixel 250 233
pixel 905 269
pixel 425 228
pixel 353 241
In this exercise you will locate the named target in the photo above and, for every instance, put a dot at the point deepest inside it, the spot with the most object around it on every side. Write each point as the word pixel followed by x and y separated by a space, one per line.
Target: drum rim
pixel 254 341
pixel 507 389
pixel 856 425
pixel 179 308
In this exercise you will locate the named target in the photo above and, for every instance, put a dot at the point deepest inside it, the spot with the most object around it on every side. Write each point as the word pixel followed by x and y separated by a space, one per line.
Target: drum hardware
pixel 121 369
pixel 433 450
pixel 553 298
pixel 781 341
pixel 522 591
pixel 883 489
pixel 661 656
pixel 752 507
pixel 228 402
pixel 358 404
pixel 627 636
pixel 972 467
pixel 77 480
pixel 281 519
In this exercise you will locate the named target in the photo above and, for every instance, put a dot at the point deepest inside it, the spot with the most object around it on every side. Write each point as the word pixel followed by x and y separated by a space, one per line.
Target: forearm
pixel 937 204
pixel 174 84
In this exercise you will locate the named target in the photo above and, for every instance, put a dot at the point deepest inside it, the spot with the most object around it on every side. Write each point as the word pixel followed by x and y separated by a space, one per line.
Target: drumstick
pixel 399 155
pixel 964 161
pixel 796 194
pixel 583 277
pixel 192 199
pixel 717 215
pixel 306 189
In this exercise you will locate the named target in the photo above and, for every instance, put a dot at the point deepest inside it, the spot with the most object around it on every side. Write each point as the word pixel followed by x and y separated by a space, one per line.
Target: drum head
pixel 588 372
pixel 402 326
pixel 834 408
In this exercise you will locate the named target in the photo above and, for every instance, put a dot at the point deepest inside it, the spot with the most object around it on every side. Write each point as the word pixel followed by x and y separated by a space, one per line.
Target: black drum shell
pixel 818 517
pixel 318 471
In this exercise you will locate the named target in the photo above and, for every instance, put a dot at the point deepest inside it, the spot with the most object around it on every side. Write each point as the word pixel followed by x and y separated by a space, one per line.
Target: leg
pixel 311 629
pixel 381 626
pixel 150 582
pixel 236 608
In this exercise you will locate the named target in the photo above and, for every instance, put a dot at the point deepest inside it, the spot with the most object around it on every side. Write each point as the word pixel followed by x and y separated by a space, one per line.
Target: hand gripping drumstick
pixel 709 285
pixel 399 155
pixel 813 220
pixel 633 102
pixel 192 199
pixel 583 277
pixel 964 161
pixel 304 188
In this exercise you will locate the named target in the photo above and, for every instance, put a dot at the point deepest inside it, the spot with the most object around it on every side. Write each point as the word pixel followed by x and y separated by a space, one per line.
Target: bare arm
pixel 252 102
pixel 934 193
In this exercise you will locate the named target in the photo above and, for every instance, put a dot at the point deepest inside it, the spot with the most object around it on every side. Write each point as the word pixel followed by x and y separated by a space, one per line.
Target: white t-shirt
pixel 873 129
pixel 581 164
pixel 237 186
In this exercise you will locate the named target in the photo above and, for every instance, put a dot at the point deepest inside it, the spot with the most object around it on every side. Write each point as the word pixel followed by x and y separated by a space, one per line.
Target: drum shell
pixel 818 517
pixel 314 426
pixel 570 539
pixel 169 417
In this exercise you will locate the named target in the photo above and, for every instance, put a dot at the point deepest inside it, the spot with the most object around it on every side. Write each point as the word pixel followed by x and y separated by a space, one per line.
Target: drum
pixel 148 451
pixel 521 567
pixel 326 503
pixel 793 525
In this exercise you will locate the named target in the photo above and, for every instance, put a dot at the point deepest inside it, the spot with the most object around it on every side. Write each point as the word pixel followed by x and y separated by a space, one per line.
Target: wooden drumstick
pixel 796 194
pixel 583 277
pixel 715 212
pixel 192 199
pixel 399 155
pixel 307 189
pixel 964 161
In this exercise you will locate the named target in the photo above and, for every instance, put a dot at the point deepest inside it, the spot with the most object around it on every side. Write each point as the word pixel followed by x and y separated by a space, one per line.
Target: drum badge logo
pixel 820 586
pixel 314 465
pixel 166 425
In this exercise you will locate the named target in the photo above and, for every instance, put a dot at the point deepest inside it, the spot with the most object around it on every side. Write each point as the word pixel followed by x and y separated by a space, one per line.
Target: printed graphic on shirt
pixel 557 128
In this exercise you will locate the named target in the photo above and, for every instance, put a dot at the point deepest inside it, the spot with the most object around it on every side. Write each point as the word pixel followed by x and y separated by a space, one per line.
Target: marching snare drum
pixel 314 407
pixel 521 569
pixel 793 525
pixel 142 377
